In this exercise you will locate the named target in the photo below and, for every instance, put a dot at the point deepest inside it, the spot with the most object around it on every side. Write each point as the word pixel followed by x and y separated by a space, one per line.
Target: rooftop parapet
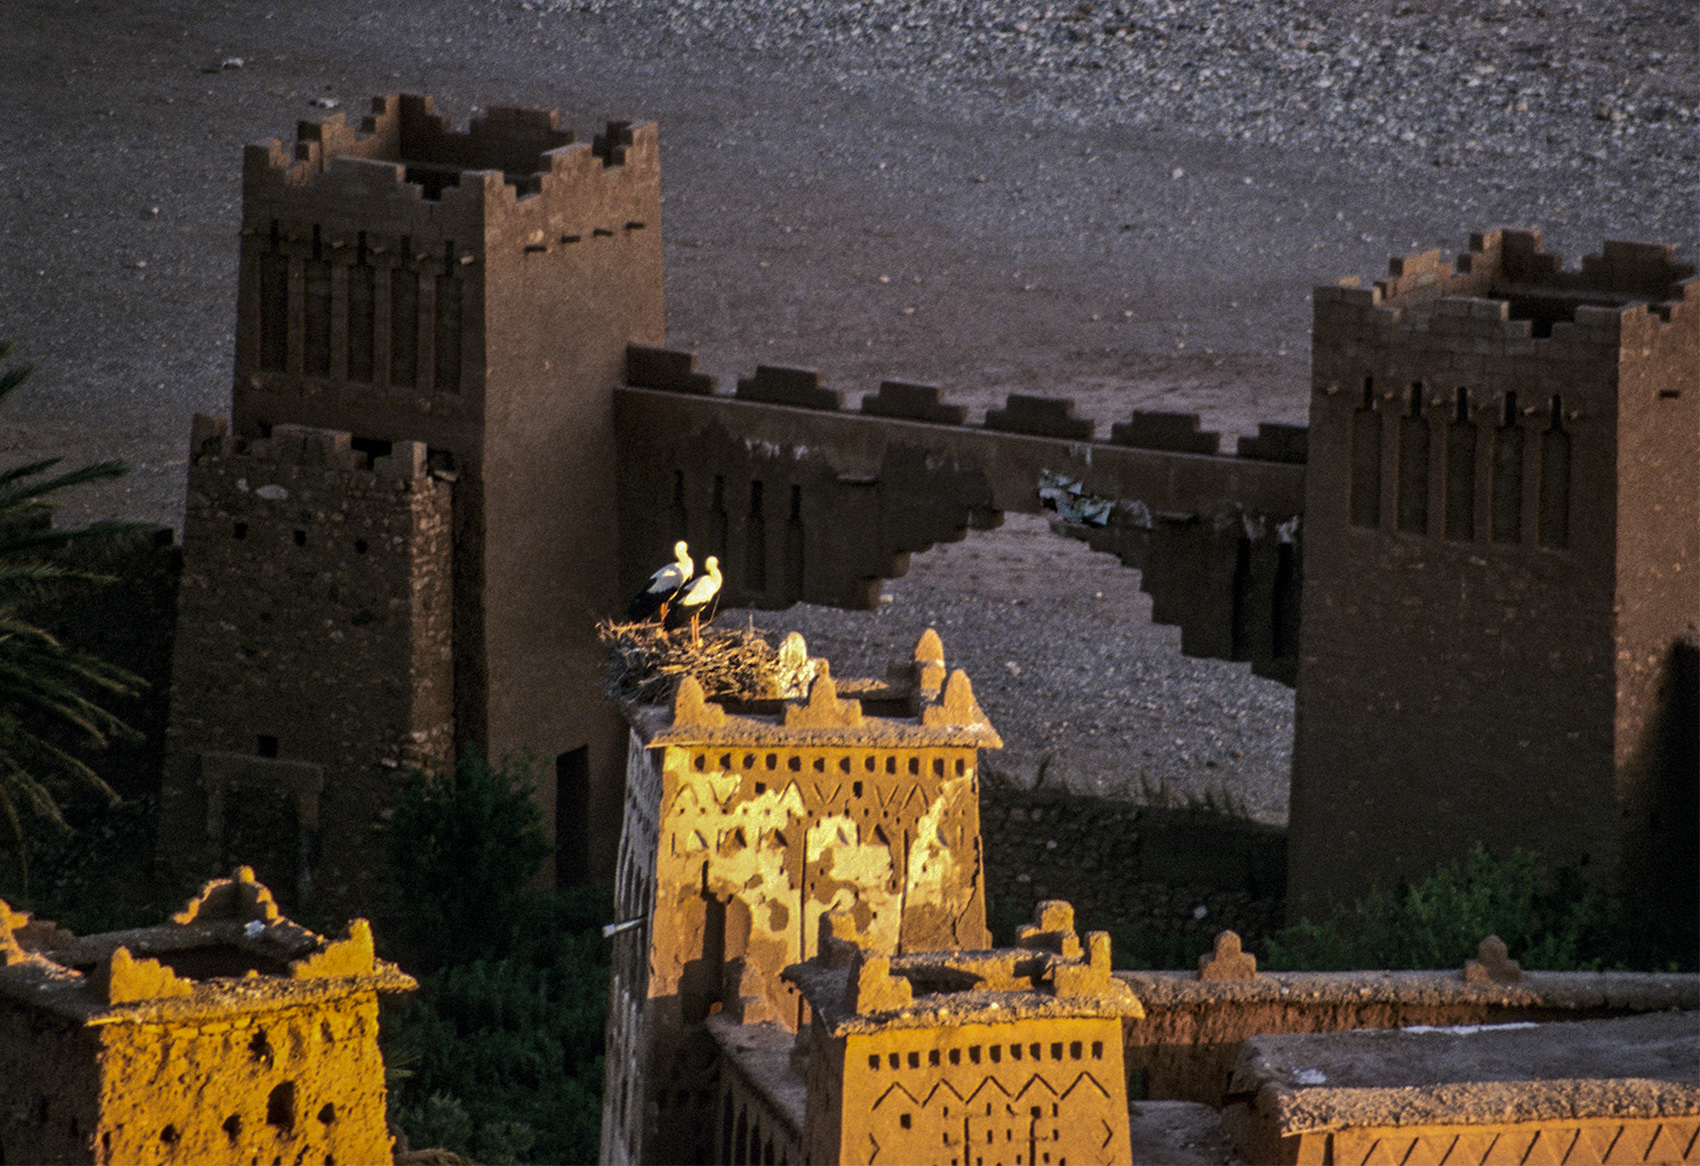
pixel 302 445
pixel 1050 974
pixel 404 146
pixel 919 706
pixel 229 949
pixel 1535 289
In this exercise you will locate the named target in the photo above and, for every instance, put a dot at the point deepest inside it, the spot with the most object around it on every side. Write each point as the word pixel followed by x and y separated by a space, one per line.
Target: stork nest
pixel 646 662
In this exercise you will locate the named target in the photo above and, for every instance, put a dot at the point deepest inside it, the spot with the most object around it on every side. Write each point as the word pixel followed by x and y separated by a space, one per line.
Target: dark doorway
pixel 572 817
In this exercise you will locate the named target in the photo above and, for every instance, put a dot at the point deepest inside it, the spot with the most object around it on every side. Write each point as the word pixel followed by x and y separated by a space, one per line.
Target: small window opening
pixel 168 1135
pixel 327 1114
pixel 905 1121
pixel 300 538
pixel 240 530
pixel 280 1106
pixel 264 746
pixel 914 1060
pixel 233 1126
pixel 360 546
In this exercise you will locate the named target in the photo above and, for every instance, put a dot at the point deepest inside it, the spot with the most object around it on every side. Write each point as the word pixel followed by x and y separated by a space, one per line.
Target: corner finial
pixel 958 707
pixel 1227 961
pixel 692 708
pixel 929 649
pixel 1493 964
pixel 824 710
pixel 240 897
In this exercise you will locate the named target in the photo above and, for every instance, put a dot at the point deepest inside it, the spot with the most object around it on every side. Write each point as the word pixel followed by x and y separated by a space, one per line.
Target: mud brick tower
pixel 313 655
pixel 1009 1056
pixel 742 830
pixel 469 294
pixel 228 1034
pixel 1502 526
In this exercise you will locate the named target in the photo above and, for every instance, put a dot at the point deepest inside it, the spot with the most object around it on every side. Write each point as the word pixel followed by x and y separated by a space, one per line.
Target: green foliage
pixel 1549 923
pixel 501 1058
pixel 1139 948
pixel 49 693
pixel 499 1054
pixel 464 848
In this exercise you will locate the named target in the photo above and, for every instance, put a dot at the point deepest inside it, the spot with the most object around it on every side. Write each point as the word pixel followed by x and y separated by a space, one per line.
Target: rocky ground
pixel 1125 203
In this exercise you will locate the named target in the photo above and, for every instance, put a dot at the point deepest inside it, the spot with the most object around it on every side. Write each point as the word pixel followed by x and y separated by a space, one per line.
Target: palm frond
pixel 49 691
pixel 18 490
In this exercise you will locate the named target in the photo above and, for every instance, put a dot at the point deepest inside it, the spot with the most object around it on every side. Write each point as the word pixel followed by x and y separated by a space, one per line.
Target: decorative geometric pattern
pixel 1666 1141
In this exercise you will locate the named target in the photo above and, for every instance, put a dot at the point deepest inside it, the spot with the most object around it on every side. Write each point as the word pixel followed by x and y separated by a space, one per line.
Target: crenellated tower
pixel 1502 522
pixel 313 665
pixel 472 292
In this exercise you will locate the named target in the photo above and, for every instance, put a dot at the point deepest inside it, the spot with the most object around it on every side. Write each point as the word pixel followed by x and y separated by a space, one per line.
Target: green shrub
pixel 464 848
pixel 501 1058
pixel 498 1056
pixel 1550 923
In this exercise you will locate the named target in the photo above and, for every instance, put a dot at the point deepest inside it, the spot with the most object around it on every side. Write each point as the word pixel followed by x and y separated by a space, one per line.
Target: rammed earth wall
pixel 1125 865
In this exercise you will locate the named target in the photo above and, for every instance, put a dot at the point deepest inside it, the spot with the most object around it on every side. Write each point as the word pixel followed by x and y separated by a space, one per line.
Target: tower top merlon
pixel 404 133
pixel 1048 975
pixel 1511 264
pixel 1507 287
pixel 914 706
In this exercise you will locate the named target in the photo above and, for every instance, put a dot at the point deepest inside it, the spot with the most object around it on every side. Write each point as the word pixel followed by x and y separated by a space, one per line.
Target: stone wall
pixel 1125 865
pixel 313 658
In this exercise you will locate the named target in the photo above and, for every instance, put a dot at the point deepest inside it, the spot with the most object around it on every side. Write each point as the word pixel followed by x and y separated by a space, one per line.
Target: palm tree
pixel 48 691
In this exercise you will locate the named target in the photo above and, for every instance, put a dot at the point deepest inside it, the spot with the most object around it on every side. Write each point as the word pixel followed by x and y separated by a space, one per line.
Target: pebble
pixel 1601 96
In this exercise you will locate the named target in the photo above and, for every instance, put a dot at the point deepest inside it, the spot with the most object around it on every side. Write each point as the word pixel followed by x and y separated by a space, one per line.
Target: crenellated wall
pixel 313 657
pixel 801 499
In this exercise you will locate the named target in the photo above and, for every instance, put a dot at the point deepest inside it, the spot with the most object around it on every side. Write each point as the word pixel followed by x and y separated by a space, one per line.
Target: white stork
pixel 696 598
pixel 666 583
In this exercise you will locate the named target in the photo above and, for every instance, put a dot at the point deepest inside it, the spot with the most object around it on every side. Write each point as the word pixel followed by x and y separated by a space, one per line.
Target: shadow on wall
pixel 1174 875
pixel 1670 750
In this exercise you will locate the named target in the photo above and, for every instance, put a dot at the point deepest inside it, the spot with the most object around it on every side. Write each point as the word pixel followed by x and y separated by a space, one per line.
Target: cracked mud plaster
pixel 757 870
